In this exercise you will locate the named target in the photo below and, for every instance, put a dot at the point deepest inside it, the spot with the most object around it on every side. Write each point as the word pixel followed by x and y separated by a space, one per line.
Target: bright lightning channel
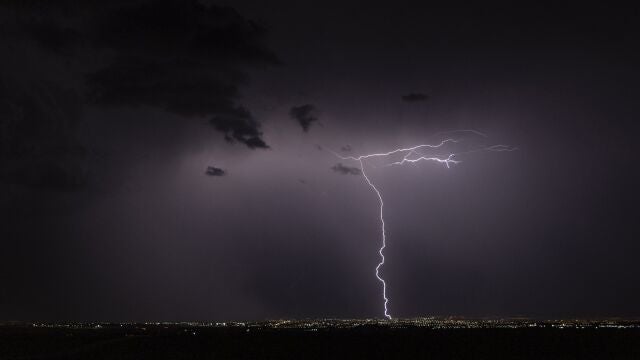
pixel 411 155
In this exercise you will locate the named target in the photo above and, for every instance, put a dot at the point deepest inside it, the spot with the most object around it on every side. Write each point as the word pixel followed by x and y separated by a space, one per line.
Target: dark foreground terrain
pixel 325 339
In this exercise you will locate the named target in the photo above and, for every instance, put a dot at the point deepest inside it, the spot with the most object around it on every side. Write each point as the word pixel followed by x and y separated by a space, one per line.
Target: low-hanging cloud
pixel 215 171
pixel 415 97
pixel 346 170
pixel 239 125
pixel 304 115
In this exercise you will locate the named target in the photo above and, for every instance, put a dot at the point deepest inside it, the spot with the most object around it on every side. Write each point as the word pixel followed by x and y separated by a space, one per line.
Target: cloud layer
pixel 183 57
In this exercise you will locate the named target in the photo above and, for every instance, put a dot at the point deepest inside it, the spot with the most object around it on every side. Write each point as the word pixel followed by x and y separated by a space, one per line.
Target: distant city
pixel 329 324
pixel 426 337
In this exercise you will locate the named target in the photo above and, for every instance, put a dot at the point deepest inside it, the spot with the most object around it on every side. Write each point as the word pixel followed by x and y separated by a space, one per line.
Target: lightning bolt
pixel 384 242
pixel 412 155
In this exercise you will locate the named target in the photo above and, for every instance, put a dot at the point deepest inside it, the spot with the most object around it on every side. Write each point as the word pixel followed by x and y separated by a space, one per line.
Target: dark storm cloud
pixel 183 57
pixel 59 40
pixel 176 87
pixel 239 125
pixel 415 97
pixel 214 171
pixel 346 170
pixel 304 115
pixel 346 148
pixel 38 142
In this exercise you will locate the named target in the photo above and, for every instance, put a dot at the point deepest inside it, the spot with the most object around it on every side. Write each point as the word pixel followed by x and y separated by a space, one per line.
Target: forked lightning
pixel 412 155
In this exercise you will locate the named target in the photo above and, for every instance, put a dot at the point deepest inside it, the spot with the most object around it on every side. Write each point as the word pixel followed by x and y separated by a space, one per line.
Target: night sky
pixel 172 159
